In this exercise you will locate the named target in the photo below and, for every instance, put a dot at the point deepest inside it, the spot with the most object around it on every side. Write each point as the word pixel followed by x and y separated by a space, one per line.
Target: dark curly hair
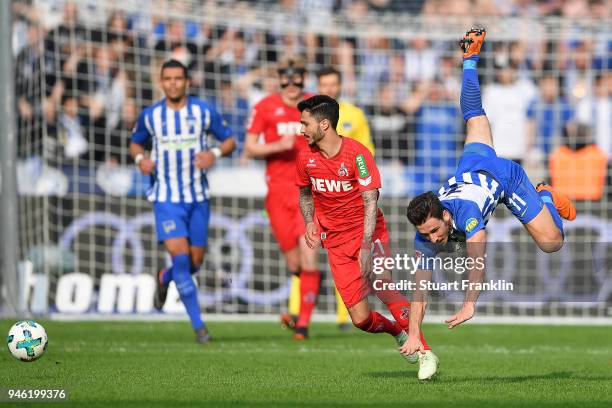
pixel 424 206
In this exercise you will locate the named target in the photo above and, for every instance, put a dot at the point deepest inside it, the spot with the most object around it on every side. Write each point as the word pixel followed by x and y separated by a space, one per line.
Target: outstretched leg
pixel 539 211
pixel 477 124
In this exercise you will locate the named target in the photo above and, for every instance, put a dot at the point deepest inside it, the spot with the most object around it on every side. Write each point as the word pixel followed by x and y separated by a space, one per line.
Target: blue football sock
pixel 546 196
pixel 181 274
pixel 471 100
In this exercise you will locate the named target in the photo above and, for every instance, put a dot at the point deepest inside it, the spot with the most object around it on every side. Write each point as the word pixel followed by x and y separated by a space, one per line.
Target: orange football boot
pixel 472 41
pixel 562 203
pixel 301 333
pixel 288 321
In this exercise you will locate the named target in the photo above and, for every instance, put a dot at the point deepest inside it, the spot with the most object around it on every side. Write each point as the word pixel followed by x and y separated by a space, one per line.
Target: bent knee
pixel 552 242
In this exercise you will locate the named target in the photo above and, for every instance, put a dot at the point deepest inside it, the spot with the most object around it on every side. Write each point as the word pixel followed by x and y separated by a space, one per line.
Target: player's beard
pixel 317 137
pixel 177 99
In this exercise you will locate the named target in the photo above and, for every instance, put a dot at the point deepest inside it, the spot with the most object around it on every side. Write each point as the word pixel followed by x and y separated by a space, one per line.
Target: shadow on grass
pixel 559 375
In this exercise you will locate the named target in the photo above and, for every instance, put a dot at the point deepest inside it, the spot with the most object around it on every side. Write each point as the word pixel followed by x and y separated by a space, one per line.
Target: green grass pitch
pixel 158 364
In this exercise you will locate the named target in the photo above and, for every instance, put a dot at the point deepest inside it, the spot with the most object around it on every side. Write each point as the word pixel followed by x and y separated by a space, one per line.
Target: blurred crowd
pixel 85 69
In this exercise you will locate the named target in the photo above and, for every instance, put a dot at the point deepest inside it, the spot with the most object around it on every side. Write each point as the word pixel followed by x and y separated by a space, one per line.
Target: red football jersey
pixel 337 183
pixel 272 117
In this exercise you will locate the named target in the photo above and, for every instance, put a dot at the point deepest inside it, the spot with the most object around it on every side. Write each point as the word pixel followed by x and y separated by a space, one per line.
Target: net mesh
pixel 84 71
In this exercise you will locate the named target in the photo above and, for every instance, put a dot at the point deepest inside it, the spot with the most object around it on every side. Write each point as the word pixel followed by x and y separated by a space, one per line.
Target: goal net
pixel 84 70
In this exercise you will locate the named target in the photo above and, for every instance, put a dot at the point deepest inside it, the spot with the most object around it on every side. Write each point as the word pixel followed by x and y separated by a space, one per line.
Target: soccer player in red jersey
pixel 278 119
pixel 339 184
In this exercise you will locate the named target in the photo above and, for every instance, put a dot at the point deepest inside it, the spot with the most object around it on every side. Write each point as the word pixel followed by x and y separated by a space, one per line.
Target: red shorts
pixel 344 265
pixel 286 221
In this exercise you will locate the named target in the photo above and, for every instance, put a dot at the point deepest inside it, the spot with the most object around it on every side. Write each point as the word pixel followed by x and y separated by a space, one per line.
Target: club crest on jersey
pixel 311 163
pixel 470 224
pixel 168 226
pixel 343 171
pixel 362 167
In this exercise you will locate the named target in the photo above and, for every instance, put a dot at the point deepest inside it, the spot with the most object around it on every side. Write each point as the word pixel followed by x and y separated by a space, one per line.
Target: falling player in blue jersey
pixel 178 127
pixel 462 207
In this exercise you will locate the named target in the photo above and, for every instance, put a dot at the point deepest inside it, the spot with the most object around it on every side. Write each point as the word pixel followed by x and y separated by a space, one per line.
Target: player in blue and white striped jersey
pixel 178 128
pixel 461 209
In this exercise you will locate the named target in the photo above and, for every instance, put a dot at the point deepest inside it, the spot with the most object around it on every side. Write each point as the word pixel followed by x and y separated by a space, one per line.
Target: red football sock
pixel 399 307
pixel 377 323
pixel 397 304
pixel 310 281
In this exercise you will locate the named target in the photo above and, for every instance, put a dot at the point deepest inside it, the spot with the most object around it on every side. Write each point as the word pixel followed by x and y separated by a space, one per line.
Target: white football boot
pixel 428 365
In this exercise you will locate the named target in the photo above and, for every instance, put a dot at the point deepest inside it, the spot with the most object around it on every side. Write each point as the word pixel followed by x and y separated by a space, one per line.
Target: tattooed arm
pixel 312 237
pixel 370 198
pixel 306 204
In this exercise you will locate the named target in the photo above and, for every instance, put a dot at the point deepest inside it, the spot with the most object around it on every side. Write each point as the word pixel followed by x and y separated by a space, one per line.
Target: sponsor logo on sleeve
pixel 362 166
pixel 470 224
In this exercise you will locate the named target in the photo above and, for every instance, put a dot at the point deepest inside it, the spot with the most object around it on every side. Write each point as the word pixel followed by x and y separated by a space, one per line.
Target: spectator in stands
pixel 397 76
pixel 235 110
pixel 505 102
pixel 421 60
pixel 448 75
pixel 395 6
pixel 596 111
pixel 390 126
pixel 576 69
pixel 578 168
pixel 520 58
pixel 70 129
pixel 373 57
pixel 438 128
pixel 32 101
pixel 601 12
pixel 177 43
pixel 575 9
pixel 113 147
pixel 548 115
pixel 107 89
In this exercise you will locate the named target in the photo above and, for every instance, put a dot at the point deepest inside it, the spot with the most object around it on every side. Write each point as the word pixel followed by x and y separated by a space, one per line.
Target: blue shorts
pixel 520 196
pixel 176 220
